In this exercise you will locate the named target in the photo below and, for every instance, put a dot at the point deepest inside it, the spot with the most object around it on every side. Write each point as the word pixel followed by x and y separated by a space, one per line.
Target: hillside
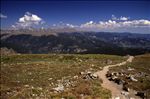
pixel 26 41
pixel 136 74
pixel 6 51
pixel 71 75
pixel 54 76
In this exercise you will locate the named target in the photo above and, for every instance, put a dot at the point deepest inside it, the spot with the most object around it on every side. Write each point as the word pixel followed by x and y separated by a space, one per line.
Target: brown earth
pixel 113 87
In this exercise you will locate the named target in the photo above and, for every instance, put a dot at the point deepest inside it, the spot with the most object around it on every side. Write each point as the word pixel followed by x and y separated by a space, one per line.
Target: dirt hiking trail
pixel 113 87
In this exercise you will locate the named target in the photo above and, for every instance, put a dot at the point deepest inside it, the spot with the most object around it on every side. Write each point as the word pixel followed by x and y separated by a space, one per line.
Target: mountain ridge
pixel 76 42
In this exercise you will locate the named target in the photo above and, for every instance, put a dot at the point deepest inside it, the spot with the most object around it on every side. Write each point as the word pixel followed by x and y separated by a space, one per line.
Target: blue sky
pixel 73 12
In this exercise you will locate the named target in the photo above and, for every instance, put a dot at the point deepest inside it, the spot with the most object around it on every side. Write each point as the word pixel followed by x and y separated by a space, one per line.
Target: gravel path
pixel 113 87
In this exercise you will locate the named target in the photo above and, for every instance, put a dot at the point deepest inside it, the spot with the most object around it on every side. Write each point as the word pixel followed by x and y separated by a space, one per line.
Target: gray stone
pixel 60 88
pixel 94 76
pixel 125 88
pixel 125 93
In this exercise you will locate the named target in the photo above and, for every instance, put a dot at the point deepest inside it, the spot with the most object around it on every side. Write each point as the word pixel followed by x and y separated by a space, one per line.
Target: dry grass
pixel 141 66
pixel 31 76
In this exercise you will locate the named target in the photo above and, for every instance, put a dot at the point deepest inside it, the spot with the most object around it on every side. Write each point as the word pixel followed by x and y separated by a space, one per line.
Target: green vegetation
pixel 140 70
pixel 35 75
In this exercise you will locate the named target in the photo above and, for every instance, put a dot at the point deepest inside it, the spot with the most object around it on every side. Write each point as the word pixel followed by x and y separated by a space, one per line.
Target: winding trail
pixel 113 87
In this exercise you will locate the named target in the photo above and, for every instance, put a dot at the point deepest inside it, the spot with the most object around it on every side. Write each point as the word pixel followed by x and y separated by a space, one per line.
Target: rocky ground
pixel 73 76
pixel 117 91
pixel 54 76
pixel 133 77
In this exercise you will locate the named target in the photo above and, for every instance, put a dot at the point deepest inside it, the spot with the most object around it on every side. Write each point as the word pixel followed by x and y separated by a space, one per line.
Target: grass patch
pixel 34 75
pixel 141 71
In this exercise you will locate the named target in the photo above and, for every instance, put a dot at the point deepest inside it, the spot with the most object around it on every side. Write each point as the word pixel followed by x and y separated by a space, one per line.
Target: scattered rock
pixel 6 51
pixel 114 78
pixel 133 79
pixel 80 60
pixel 125 93
pixel 27 86
pixel 130 69
pixel 115 73
pixel 141 94
pixel 33 95
pixel 82 73
pixel 94 76
pixel 120 73
pixel 91 69
pixel 60 88
pixel 89 75
pixel 108 74
pixel 100 68
pixel 116 98
pixel 92 65
pixel 131 98
pixel 118 81
pixel 39 88
pixel 32 87
pixel 89 72
pixel 75 77
pixel 125 88
pixel 50 79
pixel 108 61
pixel 18 81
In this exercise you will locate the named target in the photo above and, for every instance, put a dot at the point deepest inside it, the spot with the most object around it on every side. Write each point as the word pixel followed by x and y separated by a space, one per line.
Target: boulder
pixel 116 98
pixel 60 88
pixel 125 88
pixel 89 73
pixel 75 77
pixel 133 79
pixel 108 61
pixel 110 78
pixel 118 81
pixel 130 69
pixel 100 68
pixel 82 73
pixel 114 77
pixel 27 86
pixel 120 73
pixel 50 79
pixel 141 94
pixel 116 73
pixel 108 75
pixel 87 77
pixel 125 93
pixel 94 76
pixel 131 98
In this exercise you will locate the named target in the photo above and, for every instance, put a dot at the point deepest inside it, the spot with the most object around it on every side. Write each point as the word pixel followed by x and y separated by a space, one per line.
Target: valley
pixel 27 41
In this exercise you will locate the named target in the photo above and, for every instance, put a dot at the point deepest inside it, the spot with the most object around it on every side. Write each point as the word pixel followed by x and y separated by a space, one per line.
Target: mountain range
pixel 67 40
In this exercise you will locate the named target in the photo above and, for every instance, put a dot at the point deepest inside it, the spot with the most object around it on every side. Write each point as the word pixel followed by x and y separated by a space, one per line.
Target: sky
pixel 110 16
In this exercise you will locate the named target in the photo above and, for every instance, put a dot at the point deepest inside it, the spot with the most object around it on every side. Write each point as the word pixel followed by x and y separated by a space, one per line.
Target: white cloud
pixel 101 24
pixel 136 23
pixel 118 26
pixel 2 16
pixel 113 17
pixel 63 25
pixel 70 25
pixel 28 17
pixel 122 24
pixel 89 24
pixel 28 20
pixel 124 18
